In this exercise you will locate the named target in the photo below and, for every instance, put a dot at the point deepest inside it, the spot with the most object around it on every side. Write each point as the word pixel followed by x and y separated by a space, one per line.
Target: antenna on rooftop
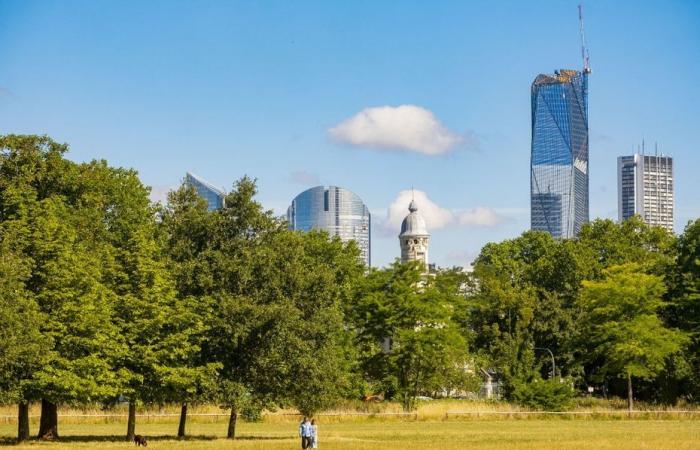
pixel 584 50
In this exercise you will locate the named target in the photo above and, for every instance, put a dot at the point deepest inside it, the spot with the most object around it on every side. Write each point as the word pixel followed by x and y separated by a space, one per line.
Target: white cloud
pixel 160 193
pixel 304 177
pixel 463 258
pixel 435 216
pixel 405 127
pixel 480 216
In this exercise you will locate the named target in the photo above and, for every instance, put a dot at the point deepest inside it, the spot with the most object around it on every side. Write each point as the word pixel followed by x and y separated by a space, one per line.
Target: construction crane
pixel 584 49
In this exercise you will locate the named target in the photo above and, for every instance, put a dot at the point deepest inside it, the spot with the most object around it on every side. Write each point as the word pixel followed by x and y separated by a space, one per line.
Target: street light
pixel 554 366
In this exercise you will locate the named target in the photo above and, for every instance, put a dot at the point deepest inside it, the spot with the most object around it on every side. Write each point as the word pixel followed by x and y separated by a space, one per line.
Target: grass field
pixel 400 435
pixel 430 432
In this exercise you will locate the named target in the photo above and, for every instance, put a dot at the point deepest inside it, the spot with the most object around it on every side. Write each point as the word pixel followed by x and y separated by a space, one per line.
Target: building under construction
pixel 559 150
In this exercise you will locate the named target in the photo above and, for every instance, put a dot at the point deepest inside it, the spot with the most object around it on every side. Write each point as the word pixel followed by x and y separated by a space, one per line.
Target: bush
pixel 549 395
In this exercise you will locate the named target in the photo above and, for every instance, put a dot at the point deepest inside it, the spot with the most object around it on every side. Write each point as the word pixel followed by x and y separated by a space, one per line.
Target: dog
pixel 140 440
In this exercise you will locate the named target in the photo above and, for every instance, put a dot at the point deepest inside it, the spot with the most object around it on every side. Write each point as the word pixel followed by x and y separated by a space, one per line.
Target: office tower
pixel 559 153
pixel 336 210
pixel 414 237
pixel 215 197
pixel 645 188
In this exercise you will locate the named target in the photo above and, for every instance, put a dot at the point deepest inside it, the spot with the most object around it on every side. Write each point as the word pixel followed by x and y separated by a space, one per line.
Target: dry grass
pixel 398 435
pixel 353 411
pixel 349 427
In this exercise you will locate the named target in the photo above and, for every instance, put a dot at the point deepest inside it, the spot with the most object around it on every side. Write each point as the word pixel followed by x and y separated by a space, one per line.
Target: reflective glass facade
pixel 336 210
pixel 559 153
pixel 214 196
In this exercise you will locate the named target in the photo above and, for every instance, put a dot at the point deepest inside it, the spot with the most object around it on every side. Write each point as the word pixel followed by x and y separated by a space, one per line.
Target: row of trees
pixel 108 298
pixel 619 303
pixel 105 298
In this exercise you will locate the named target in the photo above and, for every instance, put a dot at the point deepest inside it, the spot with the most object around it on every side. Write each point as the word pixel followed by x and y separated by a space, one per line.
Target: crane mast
pixel 584 49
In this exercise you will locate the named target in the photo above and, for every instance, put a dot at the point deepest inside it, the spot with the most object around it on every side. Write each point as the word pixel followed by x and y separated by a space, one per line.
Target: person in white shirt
pixel 306 433
pixel 314 434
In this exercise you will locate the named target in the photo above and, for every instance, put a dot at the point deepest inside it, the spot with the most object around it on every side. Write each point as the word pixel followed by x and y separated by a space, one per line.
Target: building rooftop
pixel 560 76
pixel 413 224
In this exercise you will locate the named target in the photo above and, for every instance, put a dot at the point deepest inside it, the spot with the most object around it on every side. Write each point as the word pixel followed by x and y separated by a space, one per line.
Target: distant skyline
pixel 374 97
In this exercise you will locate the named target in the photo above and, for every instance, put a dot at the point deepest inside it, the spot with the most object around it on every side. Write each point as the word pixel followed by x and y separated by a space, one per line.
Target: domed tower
pixel 414 237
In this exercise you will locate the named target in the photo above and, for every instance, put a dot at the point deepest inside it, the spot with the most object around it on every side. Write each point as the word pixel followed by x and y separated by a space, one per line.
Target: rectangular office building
pixel 645 188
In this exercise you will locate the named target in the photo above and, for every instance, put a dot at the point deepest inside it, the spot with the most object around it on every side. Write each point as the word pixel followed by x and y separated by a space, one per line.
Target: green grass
pixel 393 434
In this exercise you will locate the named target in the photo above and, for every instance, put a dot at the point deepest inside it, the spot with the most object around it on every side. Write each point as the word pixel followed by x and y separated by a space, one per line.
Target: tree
pixel 608 243
pixel 160 332
pixel 683 309
pixel 500 318
pixel 406 332
pixel 530 282
pixel 622 327
pixel 276 315
pixel 187 233
pixel 56 226
pixel 23 349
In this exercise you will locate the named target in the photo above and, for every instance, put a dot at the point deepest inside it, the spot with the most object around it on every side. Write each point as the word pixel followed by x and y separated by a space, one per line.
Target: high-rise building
pixel 645 188
pixel 214 196
pixel 336 210
pixel 414 237
pixel 559 153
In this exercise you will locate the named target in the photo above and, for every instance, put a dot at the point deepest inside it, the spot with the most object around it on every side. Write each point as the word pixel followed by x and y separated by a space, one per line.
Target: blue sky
pixel 225 89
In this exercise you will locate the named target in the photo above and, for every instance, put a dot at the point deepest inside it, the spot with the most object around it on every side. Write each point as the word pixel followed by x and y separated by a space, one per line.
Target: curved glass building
pixel 336 210
pixel 559 157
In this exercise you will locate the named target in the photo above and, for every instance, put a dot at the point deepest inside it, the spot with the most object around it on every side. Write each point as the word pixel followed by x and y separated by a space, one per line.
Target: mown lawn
pixel 400 435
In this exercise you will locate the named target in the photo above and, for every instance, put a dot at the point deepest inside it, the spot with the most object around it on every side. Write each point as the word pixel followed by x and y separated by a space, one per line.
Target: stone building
pixel 414 237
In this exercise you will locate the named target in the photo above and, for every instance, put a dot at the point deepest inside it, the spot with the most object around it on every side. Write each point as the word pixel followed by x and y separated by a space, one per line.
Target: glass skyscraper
pixel 214 196
pixel 336 210
pixel 559 153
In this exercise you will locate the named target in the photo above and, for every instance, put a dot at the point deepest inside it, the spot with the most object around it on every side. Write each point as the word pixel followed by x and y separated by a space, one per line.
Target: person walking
pixel 305 432
pixel 314 434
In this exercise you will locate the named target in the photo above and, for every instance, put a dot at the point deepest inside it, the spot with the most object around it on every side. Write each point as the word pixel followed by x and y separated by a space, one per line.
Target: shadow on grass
pixel 7 441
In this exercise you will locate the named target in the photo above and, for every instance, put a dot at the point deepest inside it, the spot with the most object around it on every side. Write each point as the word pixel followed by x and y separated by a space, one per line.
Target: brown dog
pixel 140 440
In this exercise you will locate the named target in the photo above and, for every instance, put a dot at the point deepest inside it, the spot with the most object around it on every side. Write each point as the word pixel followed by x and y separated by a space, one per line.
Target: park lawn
pixel 399 435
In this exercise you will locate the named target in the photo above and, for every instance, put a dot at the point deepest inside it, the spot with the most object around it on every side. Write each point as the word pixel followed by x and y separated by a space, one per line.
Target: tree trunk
pixel 23 422
pixel 231 434
pixel 48 424
pixel 183 419
pixel 131 422
pixel 630 401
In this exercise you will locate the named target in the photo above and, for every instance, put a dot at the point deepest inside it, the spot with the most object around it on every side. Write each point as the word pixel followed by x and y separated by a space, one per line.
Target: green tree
pixel 524 296
pixel 55 225
pixel 406 331
pixel 500 317
pixel 621 325
pixel 187 233
pixel 160 332
pixel 683 309
pixel 608 243
pixel 23 349
pixel 276 314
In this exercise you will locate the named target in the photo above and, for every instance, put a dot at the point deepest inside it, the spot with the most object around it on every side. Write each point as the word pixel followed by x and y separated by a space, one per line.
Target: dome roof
pixel 413 224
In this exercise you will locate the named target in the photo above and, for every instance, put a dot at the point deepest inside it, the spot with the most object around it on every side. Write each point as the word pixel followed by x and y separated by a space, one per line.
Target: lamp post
pixel 554 366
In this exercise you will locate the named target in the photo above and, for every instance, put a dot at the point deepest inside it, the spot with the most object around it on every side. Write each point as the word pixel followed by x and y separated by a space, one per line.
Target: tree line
pixel 107 298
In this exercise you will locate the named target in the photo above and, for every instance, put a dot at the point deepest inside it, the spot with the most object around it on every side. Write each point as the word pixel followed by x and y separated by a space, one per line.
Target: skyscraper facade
pixel 214 196
pixel 336 210
pixel 645 188
pixel 559 153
